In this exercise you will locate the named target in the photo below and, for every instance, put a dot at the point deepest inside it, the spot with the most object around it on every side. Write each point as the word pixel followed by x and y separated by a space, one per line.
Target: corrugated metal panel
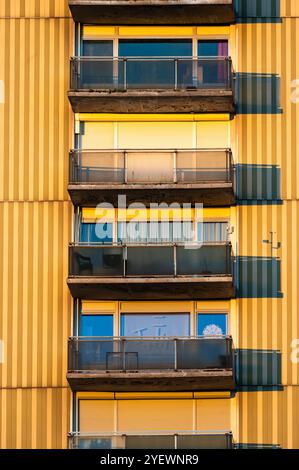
pixel 34 418
pixel 269 417
pixel 35 119
pixel 34 8
pixel 271 323
pixel 271 139
pixel 35 317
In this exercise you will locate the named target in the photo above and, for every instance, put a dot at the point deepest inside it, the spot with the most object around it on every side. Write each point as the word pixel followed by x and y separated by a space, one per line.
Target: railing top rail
pixel 147 245
pixel 150 433
pixel 148 338
pixel 166 150
pixel 147 58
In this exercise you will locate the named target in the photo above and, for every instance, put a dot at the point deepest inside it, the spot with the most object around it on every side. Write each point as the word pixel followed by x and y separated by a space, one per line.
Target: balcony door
pixel 212 73
pixel 97 73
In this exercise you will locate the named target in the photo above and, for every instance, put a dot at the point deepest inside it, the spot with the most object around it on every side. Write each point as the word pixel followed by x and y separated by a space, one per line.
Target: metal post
pixel 126 166
pixel 175 260
pixel 175 354
pixel 175 441
pixel 175 74
pixel 125 74
pixel 175 179
pixel 124 354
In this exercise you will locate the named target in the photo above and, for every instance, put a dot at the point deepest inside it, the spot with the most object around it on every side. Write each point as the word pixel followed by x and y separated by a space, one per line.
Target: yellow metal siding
pixel 34 8
pixel 35 119
pixel 34 418
pixel 35 318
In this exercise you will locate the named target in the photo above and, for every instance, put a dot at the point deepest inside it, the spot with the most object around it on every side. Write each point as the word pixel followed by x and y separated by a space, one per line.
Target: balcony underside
pixel 162 12
pixel 145 101
pixel 179 288
pixel 209 194
pixel 185 380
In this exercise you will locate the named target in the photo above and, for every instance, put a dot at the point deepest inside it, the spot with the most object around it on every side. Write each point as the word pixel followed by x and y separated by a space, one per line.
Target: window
pixel 155 48
pixel 96 233
pixel 96 325
pixel 155 232
pixel 213 48
pixel 212 231
pixel 98 48
pixel 155 324
pixel 212 324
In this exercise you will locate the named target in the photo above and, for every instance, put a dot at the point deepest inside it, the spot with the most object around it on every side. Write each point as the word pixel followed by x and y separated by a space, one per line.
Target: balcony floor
pixel 162 12
pixel 152 288
pixel 153 101
pixel 183 380
pixel 209 194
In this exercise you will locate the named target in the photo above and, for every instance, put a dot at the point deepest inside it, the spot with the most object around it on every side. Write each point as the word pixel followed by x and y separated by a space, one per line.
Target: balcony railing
pixel 160 260
pixel 154 440
pixel 95 355
pixel 150 73
pixel 150 166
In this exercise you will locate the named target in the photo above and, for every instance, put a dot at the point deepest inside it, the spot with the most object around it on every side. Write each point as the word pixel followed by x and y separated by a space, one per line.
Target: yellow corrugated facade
pixel 36 217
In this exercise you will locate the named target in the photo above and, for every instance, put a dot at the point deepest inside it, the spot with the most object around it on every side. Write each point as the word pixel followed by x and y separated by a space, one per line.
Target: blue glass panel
pixel 212 324
pixel 96 233
pixel 212 48
pixel 96 325
pixel 159 324
pixel 98 48
pixel 155 48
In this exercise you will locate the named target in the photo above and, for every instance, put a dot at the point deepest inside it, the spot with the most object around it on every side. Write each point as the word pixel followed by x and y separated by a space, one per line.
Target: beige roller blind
pixel 96 415
pixel 213 415
pixel 213 134
pixel 155 415
pixel 155 135
pixel 98 135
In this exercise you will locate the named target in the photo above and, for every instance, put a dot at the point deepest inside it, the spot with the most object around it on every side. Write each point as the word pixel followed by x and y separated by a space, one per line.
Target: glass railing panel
pixel 204 353
pixel 92 73
pixel 205 260
pixel 96 261
pixel 150 167
pixel 202 166
pixel 212 441
pixel 150 442
pixel 93 167
pixel 150 261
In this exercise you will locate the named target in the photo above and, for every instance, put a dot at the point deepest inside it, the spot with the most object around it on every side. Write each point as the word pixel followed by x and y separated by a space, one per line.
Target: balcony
pixel 151 85
pixel 188 176
pixel 152 12
pixel 151 272
pixel 154 440
pixel 150 364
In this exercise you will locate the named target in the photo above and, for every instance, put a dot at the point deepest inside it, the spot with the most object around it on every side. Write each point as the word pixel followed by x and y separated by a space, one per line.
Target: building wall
pixel 271 139
pixel 35 222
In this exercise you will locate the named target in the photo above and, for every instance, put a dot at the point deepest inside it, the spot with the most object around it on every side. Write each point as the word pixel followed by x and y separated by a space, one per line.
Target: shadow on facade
pixel 258 277
pixel 258 370
pixel 257 11
pixel 258 183
pixel 257 93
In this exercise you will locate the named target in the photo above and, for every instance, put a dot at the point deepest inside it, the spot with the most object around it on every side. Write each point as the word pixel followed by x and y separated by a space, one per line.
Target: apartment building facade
pixel 172 323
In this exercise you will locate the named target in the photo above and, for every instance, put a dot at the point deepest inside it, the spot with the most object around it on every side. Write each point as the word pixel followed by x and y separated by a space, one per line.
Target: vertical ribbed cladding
pixel 36 418
pixel 35 117
pixel 35 222
pixel 271 321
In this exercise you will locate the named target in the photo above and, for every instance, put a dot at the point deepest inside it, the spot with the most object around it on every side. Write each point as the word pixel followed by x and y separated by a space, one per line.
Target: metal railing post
pixel 175 260
pixel 175 354
pixel 175 178
pixel 124 354
pixel 125 74
pixel 126 167
pixel 175 74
